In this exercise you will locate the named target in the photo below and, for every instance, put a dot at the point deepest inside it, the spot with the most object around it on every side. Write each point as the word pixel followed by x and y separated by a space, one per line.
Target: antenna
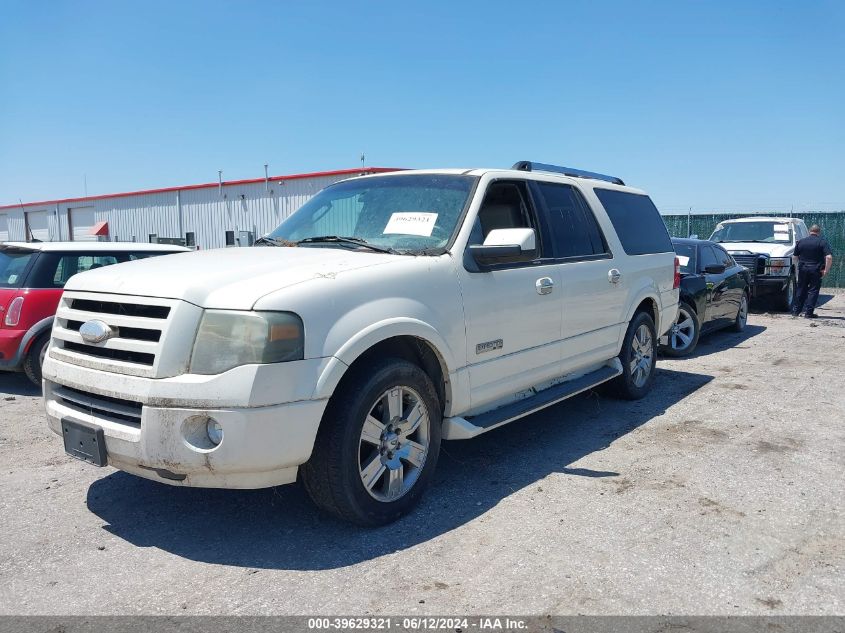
pixel 28 228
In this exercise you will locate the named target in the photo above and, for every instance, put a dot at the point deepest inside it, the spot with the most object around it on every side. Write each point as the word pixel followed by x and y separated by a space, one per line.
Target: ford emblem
pixel 95 331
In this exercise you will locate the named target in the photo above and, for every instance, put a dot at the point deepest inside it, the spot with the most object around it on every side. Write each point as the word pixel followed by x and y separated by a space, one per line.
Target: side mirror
pixel 714 269
pixel 504 246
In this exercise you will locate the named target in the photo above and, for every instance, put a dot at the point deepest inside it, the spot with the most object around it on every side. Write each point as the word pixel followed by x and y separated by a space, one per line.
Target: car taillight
pixel 13 314
pixel 677 282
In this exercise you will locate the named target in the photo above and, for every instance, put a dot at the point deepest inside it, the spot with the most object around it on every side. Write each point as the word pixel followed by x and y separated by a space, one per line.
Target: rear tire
pixel 378 444
pixel 683 336
pixel 35 358
pixel 741 314
pixel 638 359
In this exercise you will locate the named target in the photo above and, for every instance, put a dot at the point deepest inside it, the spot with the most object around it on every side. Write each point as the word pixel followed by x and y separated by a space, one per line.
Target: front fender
pixel 371 336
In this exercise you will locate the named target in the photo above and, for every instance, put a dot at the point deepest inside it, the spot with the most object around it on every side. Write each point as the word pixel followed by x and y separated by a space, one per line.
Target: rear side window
pixel 637 222
pixel 573 227
pixel 13 265
pixel 52 270
pixel 708 257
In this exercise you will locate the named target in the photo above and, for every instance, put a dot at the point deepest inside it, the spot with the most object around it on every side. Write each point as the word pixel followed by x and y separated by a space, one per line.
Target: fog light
pixel 214 431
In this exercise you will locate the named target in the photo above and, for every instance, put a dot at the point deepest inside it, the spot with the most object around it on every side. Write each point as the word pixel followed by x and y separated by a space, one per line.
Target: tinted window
pixel 637 222
pixel 686 257
pixel 573 227
pixel 13 264
pixel 708 257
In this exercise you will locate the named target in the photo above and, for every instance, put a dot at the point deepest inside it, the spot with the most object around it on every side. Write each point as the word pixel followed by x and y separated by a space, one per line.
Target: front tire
pixel 638 359
pixel 787 296
pixel 35 358
pixel 378 444
pixel 683 336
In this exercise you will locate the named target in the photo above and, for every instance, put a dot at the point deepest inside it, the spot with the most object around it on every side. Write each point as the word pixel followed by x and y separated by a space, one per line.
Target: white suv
pixel 388 313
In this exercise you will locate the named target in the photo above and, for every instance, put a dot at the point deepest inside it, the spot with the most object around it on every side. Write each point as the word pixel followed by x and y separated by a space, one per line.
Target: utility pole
pixel 689 222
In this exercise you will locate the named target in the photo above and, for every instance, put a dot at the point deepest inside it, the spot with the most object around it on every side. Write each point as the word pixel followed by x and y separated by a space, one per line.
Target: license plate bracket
pixel 85 442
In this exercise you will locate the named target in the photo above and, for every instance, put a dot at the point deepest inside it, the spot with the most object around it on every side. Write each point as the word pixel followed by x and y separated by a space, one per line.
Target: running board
pixel 460 428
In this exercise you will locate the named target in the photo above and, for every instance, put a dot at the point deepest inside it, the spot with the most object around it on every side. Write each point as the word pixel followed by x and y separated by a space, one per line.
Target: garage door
pixel 82 220
pixel 37 227
pixel 4 227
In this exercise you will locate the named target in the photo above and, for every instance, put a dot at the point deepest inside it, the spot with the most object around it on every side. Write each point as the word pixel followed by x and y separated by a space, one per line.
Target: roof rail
pixel 527 165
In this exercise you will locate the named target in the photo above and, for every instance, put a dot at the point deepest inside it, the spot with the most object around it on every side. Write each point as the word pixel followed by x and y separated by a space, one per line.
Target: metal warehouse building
pixel 211 215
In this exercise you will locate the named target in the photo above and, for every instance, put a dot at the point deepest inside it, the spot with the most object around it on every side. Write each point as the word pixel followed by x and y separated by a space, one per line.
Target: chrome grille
pixel 138 326
pixel 754 263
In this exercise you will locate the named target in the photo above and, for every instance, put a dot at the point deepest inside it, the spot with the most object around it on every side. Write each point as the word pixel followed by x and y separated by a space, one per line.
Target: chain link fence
pixel 833 229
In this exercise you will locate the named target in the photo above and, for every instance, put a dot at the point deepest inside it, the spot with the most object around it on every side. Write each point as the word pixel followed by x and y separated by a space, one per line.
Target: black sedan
pixel 714 294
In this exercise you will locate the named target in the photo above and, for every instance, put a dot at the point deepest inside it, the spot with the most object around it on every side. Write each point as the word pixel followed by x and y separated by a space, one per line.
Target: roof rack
pixel 527 165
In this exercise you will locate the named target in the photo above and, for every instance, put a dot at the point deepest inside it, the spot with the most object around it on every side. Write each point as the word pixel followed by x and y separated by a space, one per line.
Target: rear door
pixel 593 304
pixel 37 226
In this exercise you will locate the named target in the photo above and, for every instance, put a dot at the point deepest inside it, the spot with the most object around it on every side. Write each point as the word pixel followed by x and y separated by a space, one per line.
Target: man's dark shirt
pixel 811 251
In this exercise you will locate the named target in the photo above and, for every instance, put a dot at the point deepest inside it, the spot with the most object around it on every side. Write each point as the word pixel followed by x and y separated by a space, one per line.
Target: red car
pixel 32 276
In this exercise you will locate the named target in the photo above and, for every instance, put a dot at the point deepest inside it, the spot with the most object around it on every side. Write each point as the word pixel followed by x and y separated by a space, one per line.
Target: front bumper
pixel 164 439
pixel 768 285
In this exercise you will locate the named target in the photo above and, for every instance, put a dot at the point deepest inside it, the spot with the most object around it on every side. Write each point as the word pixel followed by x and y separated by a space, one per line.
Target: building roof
pixel 317 174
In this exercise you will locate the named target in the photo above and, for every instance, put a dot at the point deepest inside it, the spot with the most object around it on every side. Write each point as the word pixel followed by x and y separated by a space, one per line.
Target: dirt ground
pixel 722 492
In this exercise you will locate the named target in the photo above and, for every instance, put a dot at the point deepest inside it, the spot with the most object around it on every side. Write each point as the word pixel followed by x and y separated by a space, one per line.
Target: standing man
pixel 814 260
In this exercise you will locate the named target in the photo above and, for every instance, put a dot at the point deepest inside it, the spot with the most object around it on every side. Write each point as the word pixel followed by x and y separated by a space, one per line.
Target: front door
pixel 513 312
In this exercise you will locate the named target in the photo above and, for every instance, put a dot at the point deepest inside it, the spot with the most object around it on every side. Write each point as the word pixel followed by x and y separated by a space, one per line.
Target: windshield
pixel 12 266
pixel 406 213
pixel 764 231
pixel 686 257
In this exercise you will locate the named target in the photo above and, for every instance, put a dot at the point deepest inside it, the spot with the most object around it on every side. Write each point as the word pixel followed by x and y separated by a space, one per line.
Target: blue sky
pixel 714 105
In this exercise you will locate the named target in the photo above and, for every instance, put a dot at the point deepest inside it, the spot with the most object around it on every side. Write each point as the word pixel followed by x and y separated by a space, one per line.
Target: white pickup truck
pixel 388 313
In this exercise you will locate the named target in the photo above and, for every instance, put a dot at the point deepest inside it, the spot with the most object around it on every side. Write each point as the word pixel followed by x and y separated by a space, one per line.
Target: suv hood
pixel 226 278
pixel 765 248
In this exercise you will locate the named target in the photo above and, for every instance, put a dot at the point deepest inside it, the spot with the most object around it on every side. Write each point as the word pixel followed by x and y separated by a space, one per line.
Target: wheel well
pixel 414 350
pixel 650 307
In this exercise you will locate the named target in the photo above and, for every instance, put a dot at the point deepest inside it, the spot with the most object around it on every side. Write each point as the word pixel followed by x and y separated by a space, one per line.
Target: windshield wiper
pixel 274 241
pixel 357 241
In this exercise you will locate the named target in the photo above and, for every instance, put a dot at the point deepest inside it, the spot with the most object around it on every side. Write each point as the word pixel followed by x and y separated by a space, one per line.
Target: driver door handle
pixel 613 276
pixel 544 285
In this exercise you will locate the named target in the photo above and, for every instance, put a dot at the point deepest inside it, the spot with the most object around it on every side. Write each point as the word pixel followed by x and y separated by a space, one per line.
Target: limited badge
pixel 489 346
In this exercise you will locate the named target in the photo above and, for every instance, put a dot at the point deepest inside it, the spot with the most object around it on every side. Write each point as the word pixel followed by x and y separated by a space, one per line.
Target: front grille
pixel 125 309
pixel 754 263
pixel 138 326
pixel 127 356
pixel 114 409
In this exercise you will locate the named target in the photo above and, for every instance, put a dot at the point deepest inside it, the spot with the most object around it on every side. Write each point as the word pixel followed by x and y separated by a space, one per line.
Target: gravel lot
pixel 722 492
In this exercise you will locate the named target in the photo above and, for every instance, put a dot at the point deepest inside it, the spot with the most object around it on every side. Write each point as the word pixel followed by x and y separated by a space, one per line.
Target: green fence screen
pixel 833 228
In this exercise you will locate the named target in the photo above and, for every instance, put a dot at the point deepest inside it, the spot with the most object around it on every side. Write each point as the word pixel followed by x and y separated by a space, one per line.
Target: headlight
pixel 779 265
pixel 228 339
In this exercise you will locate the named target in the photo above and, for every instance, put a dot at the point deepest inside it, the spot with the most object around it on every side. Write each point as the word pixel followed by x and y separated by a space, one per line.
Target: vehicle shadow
pixel 17 384
pixel 720 340
pixel 280 529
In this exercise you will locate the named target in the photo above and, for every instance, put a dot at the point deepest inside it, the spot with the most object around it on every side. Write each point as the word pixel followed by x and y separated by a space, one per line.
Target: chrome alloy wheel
pixel 742 315
pixel 642 348
pixel 394 443
pixel 683 331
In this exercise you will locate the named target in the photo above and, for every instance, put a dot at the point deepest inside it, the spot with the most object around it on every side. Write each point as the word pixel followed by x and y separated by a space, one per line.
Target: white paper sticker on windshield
pixel 781 228
pixel 411 223
pixel 12 279
pixel 782 236
pixel 682 260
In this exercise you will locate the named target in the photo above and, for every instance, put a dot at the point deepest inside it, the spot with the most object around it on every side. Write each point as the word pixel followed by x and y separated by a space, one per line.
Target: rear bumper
pixel 12 346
